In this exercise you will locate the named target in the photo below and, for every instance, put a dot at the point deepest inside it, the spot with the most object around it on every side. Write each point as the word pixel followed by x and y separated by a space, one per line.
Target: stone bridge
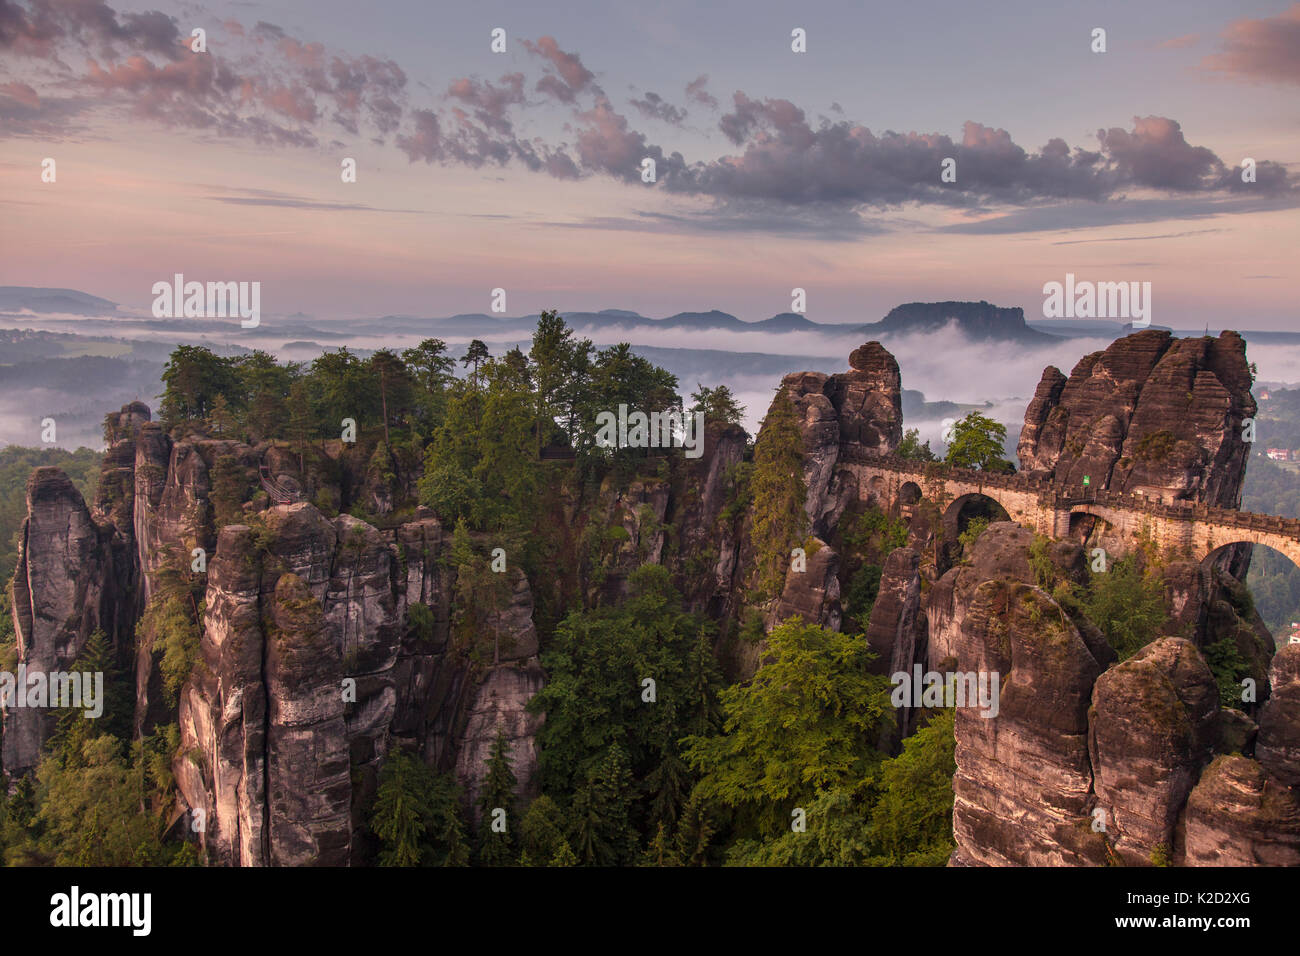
pixel 1116 521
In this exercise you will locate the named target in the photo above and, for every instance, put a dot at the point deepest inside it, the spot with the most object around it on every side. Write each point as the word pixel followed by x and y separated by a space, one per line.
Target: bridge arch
pixel 1273 583
pixel 1221 549
pixel 909 493
pixel 1212 540
pixel 968 507
pixel 1090 526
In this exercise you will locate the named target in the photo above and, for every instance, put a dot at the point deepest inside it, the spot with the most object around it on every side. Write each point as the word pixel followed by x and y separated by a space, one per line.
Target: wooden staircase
pixel 278 494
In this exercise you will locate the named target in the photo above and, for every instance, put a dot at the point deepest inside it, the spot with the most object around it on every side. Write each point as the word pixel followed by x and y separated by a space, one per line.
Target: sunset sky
pixel 775 169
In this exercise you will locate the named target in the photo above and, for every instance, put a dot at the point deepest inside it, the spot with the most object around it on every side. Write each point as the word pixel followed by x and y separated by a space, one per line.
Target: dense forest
pixel 497 448
pixel 796 764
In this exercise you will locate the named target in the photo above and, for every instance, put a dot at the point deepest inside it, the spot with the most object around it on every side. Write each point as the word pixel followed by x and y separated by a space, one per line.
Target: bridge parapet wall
pixel 1174 525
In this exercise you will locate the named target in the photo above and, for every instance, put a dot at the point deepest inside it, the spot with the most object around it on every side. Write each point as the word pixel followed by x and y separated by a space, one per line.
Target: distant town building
pixel 1279 454
pixel 1264 395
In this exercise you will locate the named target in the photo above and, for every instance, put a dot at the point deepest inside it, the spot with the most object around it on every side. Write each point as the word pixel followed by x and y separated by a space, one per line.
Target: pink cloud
pixel 1265 50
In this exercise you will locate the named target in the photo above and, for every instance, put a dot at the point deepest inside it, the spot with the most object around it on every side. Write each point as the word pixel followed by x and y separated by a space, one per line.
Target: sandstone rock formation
pixel 63 590
pixel 1023 781
pixel 1151 728
pixel 859 410
pixel 1150 414
pixel 1240 816
pixel 306 663
pixel 279 755
pixel 813 592
pixel 1278 744
pixel 1089 761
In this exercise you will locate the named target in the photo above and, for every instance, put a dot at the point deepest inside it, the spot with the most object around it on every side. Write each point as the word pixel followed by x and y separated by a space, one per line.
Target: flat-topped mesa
pixel 981 321
pixel 1150 414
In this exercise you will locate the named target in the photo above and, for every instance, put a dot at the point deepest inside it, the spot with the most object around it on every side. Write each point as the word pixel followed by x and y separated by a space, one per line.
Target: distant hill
pixel 15 298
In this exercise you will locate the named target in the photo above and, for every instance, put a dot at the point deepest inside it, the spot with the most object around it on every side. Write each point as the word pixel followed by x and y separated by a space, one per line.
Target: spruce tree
pixel 496 848
pixel 601 834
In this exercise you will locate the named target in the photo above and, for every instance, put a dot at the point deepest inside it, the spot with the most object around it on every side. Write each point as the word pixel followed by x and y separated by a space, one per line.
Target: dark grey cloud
pixel 1166 235
pixel 246 196
pixel 696 92
pixel 785 160
pixel 34 28
pixel 654 106
pixel 23 112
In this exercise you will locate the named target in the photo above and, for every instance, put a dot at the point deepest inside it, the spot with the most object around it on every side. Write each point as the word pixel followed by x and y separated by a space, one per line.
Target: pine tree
pixel 229 489
pixel 302 423
pixel 223 419
pixel 564 856
pixel 73 729
pixel 718 405
pixel 475 355
pixel 498 793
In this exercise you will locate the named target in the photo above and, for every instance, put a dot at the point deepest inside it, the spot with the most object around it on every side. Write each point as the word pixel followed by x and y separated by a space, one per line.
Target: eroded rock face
pixel 500 705
pixel 223 709
pixel 309 783
pixel 291 611
pixel 1152 725
pixel 1031 787
pixel 861 409
pixel 310 672
pixel 1001 552
pixel 1278 744
pixel 1238 815
pixel 813 593
pixel 893 632
pixel 63 590
pixel 1212 605
pixel 1023 781
pixel 1150 414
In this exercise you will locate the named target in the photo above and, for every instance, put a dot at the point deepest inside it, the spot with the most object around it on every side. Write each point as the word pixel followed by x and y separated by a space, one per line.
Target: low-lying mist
pixel 945 365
